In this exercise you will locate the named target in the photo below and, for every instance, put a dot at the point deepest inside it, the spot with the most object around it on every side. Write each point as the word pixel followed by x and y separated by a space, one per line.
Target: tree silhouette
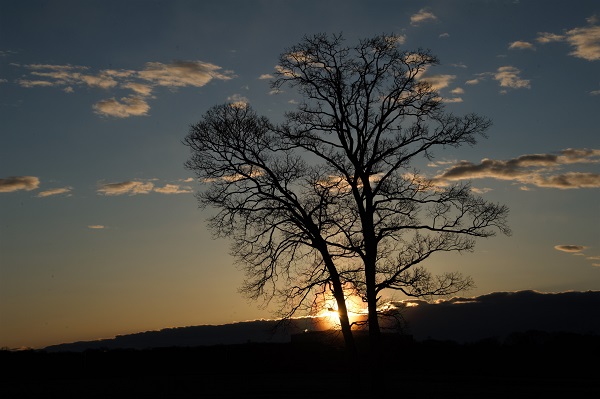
pixel 328 201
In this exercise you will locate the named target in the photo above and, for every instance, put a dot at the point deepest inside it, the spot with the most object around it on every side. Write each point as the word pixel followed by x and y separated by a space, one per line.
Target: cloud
pixel 396 39
pixel 173 75
pixel 182 73
pixel 444 35
pixel 126 187
pixel 481 190
pixel 585 40
pixel 508 76
pixel 265 76
pixel 128 106
pixel 173 189
pixel 96 227
pixel 62 75
pixel 55 191
pixel 35 83
pixel 140 89
pixel 533 169
pixel 569 248
pixel 422 16
pixel 521 45
pixel 439 82
pixel 17 183
pixel 134 187
pixel 102 81
pixel 237 100
pixel 546 37
pixel 568 180
pixel 577 250
pixel 453 100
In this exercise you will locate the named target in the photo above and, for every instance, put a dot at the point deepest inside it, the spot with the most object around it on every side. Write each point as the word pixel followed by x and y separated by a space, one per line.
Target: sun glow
pixel 331 316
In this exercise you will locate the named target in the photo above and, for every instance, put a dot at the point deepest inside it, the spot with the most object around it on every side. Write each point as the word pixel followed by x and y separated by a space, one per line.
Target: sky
pixel 100 233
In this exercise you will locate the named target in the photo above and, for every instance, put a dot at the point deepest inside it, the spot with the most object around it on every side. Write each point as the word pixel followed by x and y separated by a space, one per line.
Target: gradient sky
pixel 100 233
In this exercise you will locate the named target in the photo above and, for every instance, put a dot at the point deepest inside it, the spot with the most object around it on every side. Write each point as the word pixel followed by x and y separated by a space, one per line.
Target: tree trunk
pixel 338 293
pixel 374 330
pixel 346 328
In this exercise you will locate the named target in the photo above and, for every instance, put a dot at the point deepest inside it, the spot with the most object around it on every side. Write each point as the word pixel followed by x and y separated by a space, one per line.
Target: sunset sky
pixel 100 233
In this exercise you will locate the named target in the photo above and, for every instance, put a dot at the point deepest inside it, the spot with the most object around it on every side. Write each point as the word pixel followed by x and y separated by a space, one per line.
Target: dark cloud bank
pixel 463 320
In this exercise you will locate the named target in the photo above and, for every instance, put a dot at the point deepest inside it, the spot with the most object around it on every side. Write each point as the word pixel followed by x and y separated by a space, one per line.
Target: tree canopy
pixel 329 201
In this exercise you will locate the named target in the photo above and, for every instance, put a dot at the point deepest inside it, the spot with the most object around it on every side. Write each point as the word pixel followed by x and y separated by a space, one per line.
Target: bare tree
pixel 279 212
pixel 329 200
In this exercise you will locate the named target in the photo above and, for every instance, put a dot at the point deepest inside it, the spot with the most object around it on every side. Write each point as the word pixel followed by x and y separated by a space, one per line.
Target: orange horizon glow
pixel 330 314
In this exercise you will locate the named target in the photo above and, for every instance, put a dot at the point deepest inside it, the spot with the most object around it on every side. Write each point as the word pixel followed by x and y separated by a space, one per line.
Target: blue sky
pixel 100 233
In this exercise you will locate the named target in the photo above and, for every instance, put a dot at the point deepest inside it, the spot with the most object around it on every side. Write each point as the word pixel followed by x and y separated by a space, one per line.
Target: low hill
pixel 460 319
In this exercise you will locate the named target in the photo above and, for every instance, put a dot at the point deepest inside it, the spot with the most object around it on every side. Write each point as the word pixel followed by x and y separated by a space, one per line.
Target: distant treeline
pixel 547 352
pixel 557 362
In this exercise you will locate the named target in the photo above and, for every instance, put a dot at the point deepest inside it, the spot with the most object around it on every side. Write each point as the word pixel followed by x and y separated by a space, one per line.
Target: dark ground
pixel 526 365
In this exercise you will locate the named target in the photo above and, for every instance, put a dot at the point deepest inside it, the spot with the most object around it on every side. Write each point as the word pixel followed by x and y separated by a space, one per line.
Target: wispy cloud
pixel 439 82
pixel 452 100
pixel 423 15
pixel 508 76
pixel 175 75
pixel 18 183
pixel 238 100
pixel 55 191
pixel 594 260
pixel 585 40
pixel 521 45
pixel 135 187
pixel 569 248
pixel 540 170
pixel 127 187
pixel 173 189
pixel 183 73
pixel 577 250
pixel 141 89
pixel 126 107
pixel 96 227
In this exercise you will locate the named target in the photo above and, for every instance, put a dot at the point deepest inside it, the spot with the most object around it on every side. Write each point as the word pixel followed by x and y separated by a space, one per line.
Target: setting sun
pixel 330 314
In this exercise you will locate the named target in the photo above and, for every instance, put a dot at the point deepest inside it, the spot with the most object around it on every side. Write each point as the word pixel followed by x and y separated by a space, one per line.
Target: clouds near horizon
pixel 569 248
pixel 539 170
pixel 17 183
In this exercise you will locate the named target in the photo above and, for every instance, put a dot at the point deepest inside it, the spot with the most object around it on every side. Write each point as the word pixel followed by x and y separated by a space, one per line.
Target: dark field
pixel 527 365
